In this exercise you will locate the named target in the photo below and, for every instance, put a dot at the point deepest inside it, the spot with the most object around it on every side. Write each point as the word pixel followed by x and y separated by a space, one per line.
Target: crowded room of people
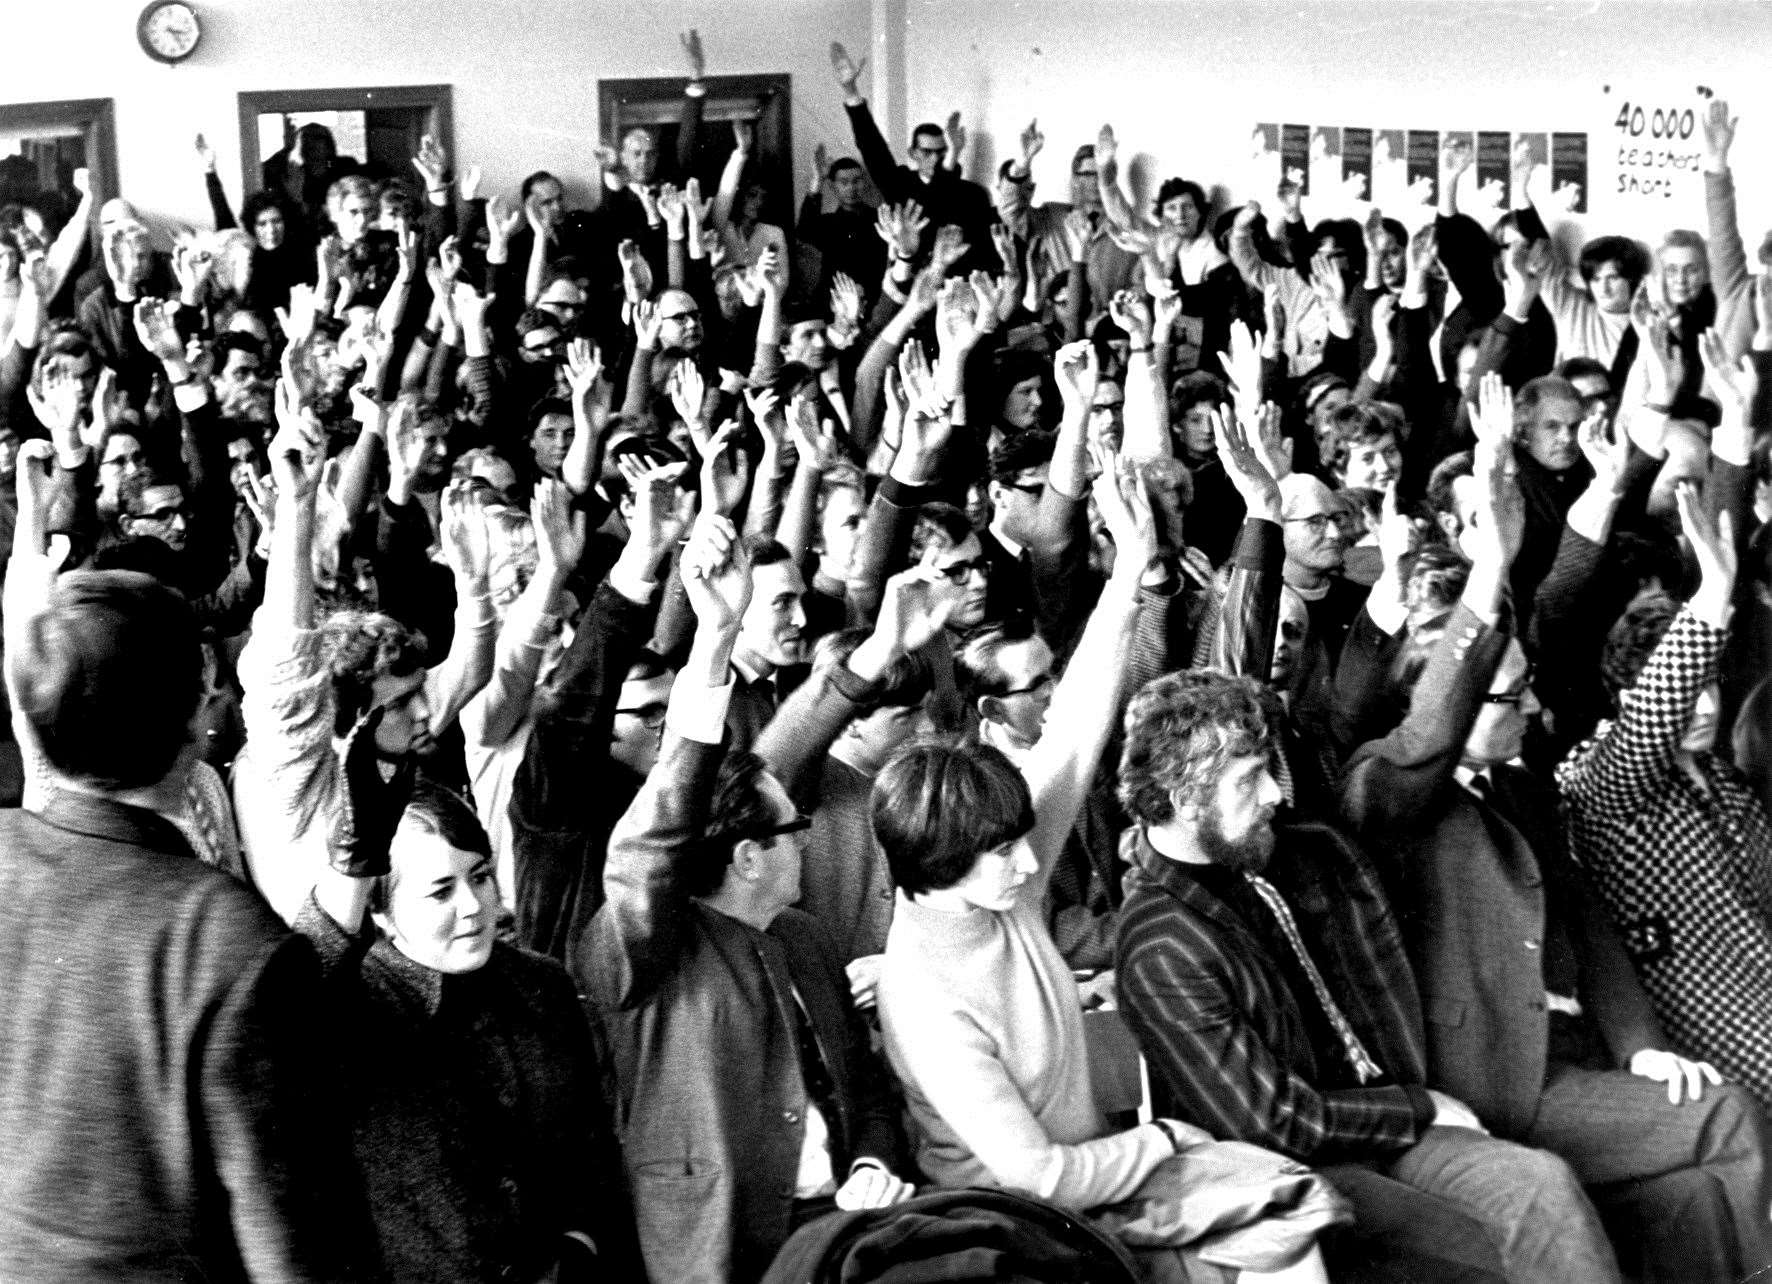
pixel 886 640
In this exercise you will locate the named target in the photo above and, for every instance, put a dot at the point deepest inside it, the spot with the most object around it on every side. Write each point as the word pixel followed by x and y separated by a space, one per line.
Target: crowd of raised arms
pixel 635 743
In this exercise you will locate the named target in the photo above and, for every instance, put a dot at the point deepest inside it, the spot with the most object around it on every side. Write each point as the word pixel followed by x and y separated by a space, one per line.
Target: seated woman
pixel 468 1067
pixel 980 1013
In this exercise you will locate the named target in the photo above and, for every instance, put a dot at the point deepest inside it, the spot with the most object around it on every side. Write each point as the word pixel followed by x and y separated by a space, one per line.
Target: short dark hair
pixel 938 521
pixel 360 647
pixel 928 127
pixel 1349 238
pixel 1022 451
pixel 1632 259
pixel 534 180
pixel 131 489
pixel 908 680
pixel 1438 496
pixel 978 664
pixel 545 407
pixel 939 805
pixel 1181 731
pixel 737 811
pixel 436 809
pixel 840 164
pixel 765 550
pixel 1358 423
pixel 1173 187
pixel 1196 387
pixel 1634 637
pixel 108 676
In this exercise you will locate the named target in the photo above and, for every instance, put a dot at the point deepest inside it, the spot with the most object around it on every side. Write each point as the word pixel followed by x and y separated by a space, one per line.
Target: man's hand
pixel 1735 384
pixel 1076 369
pixel 716 574
pixel 205 154
pixel 1719 135
pixel 846 305
pixel 950 246
pixel 1664 367
pixel 956 140
pixel 744 136
pixel 901 227
pixel 1133 315
pixel 847 70
pixel 1398 536
pixel 559 530
pixel 914 608
pixel 1254 483
pixel 1523 265
pixel 1713 547
pixel 864 979
pixel 1450 1112
pixel 298 451
pixel 432 164
pixel 58 408
pixel 154 327
pixel 1106 147
pixel 469 185
pixel 692 53
pixel 1242 371
pixel 725 472
pixel 1605 455
pixel 1032 143
pixel 1683 1078
pixel 467 547
pixel 872 1187
pixel 956 325
pixel 502 220
pixel 1125 506
pixel 1492 418
pixel 662 508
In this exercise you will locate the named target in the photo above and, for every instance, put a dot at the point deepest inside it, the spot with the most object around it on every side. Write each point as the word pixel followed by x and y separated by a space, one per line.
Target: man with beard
pixel 1219 978
pixel 309 682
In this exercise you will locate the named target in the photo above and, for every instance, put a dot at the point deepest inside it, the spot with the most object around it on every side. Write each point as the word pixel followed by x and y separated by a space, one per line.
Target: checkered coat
pixel 1685 871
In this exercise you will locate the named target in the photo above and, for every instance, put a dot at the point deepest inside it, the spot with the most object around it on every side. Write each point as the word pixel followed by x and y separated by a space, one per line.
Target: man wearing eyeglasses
pixel 945 196
pixel 749 1100
pixel 1536 1019
pixel 1316 544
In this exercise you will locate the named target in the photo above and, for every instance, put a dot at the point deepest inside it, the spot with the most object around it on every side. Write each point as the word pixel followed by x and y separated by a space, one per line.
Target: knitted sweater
pixel 984 1027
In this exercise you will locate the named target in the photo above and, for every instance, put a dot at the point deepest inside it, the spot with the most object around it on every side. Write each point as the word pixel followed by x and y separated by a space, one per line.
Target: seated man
pixel 1247 1039
pixel 1536 1018
pixel 746 1093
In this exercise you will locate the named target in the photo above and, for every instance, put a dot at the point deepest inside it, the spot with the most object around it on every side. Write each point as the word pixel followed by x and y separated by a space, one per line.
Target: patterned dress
pixel 1685 871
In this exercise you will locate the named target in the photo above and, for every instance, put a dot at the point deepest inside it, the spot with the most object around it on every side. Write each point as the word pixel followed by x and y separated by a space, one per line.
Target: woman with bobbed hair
pixel 469 1070
pixel 979 1011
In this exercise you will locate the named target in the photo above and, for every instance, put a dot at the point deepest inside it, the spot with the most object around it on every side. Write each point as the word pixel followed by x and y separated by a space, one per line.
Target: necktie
pixel 1365 1068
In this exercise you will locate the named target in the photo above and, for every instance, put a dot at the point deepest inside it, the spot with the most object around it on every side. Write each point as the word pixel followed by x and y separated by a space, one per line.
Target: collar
pixel 99 817
pixel 1010 546
pixel 750 667
pixel 1465 776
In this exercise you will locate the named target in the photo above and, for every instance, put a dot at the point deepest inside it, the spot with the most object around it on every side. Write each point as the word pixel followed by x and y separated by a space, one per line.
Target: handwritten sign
pixel 1656 146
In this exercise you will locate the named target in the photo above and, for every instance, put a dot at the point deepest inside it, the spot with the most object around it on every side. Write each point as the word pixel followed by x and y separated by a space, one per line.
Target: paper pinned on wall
pixel 1655 138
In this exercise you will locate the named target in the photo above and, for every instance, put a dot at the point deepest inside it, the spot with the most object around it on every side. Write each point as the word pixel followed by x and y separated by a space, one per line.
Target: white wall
pixel 525 74
pixel 1184 80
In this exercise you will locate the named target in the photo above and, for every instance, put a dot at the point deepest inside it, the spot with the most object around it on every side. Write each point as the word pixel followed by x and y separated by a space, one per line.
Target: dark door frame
pixel 96 118
pixel 439 100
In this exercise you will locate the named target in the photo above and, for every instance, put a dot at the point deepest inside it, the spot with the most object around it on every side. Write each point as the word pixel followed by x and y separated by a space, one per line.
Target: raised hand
pixel 1398 535
pixel 914 607
pixel 467 547
pixel 688 392
pixel 692 53
pixel 950 246
pixel 431 163
pixel 559 530
pixel 646 324
pixel 716 574
pixel 1719 134
pixel 1077 369
pixel 1272 445
pixel 1257 487
pixel 1735 383
pixel 847 70
pixel 1077 232
pixel 58 407
pixel 1455 157
pixel 298 451
pixel 820 445
pixel 821 166
pixel 676 213
pixel 1424 250
pixel 956 139
pixel 662 508
pixel 469 186
pixel 1032 142
pixel 725 474
pixel 449 258
pixel 956 326
pixel 744 136
pixel 470 306
pixel 1125 506
pixel 846 304
pixel 1242 371
pixel 155 328
pixel 1495 537
pixel 1520 166
pixel 1106 147
pixel 205 154
pixel 584 370
pixel 1663 364
pixel 1133 315
pixel 694 207
pixel 766 413
pixel 1165 312
pixel 1607 456
pixel 503 219
pixel 1328 283
pixel 1713 546
pixel 1492 419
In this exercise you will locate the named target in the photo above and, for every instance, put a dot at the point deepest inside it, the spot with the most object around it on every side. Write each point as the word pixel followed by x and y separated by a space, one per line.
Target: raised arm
pixel 1086 703
pixel 72 236
pixel 639 932
pixel 876 154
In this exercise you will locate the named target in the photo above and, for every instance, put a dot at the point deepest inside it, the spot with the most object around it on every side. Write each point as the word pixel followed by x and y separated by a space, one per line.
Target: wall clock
pixel 169 31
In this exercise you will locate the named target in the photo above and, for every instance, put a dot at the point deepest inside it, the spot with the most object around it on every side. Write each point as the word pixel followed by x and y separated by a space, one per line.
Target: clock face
pixel 169 30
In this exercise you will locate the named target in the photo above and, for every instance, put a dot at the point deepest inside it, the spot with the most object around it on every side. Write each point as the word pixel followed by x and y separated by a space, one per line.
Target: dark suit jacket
pixel 699 1007
pixel 161 1113
pixel 1225 1030
pixel 1493 910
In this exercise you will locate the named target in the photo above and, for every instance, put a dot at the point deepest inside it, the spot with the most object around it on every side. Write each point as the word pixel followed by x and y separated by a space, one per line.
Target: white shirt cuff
pixel 699 713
